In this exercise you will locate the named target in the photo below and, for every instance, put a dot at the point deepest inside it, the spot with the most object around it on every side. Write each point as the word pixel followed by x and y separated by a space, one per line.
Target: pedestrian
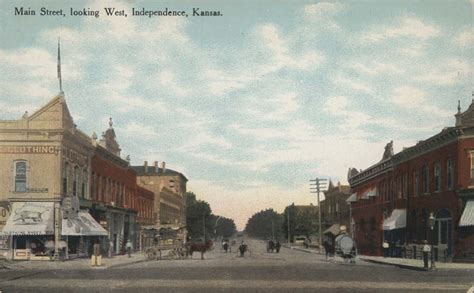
pixel 426 250
pixel 129 247
pixel 326 248
pixel 385 247
pixel 242 248
pixel 277 246
pixel 111 248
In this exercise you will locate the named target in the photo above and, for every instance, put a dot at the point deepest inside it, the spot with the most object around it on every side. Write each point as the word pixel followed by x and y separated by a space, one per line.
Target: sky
pixel 252 104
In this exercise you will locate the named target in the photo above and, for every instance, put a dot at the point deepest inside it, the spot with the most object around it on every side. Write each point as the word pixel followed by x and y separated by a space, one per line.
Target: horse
pixel 201 247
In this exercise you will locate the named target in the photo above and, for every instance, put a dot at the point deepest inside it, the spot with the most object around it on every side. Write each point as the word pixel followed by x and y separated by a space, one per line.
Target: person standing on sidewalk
pixel 385 246
pixel 129 247
pixel 426 251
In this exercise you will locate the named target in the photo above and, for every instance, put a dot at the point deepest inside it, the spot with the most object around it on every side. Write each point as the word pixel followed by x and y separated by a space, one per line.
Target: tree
pixel 224 227
pixel 303 221
pixel 265 224
pixel 198 216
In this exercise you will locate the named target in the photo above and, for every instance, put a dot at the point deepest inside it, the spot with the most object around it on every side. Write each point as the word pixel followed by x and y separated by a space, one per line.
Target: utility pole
pixel 316 186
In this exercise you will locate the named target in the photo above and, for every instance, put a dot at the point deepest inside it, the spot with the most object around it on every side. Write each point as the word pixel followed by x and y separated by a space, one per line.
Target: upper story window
pixel 472 167
pixel 426 178
pixel 450 172
pixel 437 176
pixel 65 178
pixel 20 176
pixel 416 183
pixel 84 184
pixel 75 181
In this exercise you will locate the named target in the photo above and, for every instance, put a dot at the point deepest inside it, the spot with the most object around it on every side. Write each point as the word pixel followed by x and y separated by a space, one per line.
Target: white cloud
pixel 465 38
pixel 414 99
pixel 375 68
pixel 323 13
pixel 405 27
pixel 357 85
pixel 447 72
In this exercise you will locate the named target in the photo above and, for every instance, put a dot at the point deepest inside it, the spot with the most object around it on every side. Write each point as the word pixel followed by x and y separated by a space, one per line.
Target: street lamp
pixel 432 224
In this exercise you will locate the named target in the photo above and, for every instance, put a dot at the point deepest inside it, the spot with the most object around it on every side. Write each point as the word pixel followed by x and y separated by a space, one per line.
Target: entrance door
pixel 443 233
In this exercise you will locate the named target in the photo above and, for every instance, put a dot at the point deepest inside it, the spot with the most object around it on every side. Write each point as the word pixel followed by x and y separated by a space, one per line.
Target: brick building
pixel 335 211
pixel 395 198
pixel 169 187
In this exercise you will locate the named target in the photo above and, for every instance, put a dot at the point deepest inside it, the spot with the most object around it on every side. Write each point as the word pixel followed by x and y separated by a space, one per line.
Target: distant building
pixel 169 187
pixel 335 211
pixel 395 198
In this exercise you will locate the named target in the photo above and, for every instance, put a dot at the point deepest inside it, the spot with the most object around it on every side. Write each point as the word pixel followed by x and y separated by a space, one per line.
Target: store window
pixel 437 176
pixel 20 176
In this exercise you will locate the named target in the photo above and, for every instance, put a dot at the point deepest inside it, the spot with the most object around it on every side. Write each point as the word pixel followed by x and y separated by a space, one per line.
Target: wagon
pixel 170 248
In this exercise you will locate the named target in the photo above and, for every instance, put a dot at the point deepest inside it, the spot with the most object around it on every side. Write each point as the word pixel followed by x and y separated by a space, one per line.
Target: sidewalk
pixel 79 263
pixel 414 264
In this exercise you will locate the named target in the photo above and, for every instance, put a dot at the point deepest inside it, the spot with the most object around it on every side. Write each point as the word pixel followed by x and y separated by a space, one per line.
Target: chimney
pixel 163 166
pixel 156 167
pixel 145 166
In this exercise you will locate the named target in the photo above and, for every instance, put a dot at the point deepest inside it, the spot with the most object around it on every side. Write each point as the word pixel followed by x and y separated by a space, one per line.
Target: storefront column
pixel 57 229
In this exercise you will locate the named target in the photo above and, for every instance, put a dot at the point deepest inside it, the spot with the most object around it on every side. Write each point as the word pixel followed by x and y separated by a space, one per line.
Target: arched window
pixel 20 176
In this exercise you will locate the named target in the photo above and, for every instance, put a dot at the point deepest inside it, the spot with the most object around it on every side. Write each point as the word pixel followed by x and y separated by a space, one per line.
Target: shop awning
pixel 467 218
pixel 30 218
pixel 369 193
pixel 334 230
pixel 352 198
pixel 82 225
pixel 397 220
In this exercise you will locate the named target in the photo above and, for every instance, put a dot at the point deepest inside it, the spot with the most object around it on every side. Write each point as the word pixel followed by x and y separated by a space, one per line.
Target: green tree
pixel 198 216
pixel 224 227
pixel 303 221
pixel 265 224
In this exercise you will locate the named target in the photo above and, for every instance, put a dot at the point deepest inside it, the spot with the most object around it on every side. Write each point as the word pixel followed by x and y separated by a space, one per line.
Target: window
pixel 65 173
pixel 437 176
pixel 450 172
pixel 20 176
pixel 425 178
pixel 84 184
pixel 472 167
pixel 75 181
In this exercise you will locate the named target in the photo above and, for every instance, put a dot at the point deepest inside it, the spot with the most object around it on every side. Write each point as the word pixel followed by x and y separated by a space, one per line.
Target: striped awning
pixel 467 218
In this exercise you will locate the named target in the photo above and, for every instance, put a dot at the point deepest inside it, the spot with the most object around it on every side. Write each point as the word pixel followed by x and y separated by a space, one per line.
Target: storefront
pixel 81 233
pixel 30 230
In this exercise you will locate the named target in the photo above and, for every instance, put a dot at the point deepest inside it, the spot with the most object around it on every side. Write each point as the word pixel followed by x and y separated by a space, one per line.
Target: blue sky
pixel 252 104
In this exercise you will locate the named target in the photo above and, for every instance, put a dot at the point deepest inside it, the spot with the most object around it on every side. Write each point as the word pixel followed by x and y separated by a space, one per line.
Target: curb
pixel 403 266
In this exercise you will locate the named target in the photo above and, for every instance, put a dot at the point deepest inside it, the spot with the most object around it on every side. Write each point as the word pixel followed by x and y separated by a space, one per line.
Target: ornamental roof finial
pixel 111 123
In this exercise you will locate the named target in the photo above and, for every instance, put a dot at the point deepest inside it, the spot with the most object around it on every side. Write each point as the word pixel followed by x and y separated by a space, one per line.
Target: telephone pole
pixel 316 186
